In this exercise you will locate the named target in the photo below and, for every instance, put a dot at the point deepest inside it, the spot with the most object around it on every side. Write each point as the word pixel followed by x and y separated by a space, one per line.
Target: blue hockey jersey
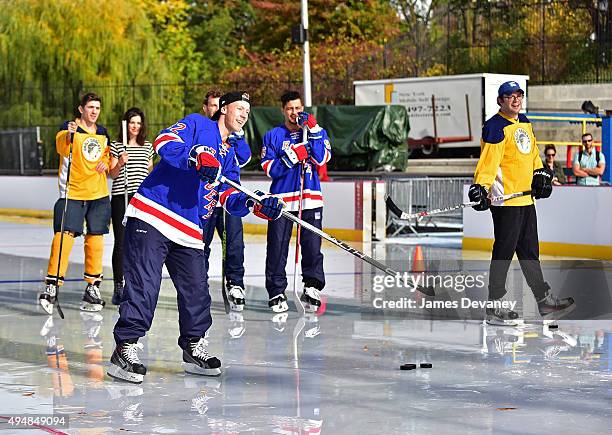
pixel 173 198
pixel 285 180
pixel 243 153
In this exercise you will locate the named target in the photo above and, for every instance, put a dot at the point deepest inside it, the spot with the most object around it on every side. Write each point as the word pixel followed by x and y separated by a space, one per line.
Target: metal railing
pixel 21 151
pixel 414 195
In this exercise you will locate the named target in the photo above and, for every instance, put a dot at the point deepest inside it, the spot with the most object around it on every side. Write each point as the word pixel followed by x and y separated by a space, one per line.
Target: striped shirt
pixel 137 166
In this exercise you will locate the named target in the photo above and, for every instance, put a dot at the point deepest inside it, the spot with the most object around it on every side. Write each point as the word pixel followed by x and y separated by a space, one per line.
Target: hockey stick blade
pixel 429 291
pixel 59 309
pixel 406 216
pixel 394 208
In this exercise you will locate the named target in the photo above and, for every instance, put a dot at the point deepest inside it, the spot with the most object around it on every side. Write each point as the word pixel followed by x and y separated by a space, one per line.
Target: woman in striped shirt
pixel 135 160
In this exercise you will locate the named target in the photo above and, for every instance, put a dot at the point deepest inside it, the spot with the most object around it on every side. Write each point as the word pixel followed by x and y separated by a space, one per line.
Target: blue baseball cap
pixel 509 88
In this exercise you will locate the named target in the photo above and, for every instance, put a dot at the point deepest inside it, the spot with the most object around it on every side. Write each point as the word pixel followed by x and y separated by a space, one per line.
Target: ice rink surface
pixel 335 373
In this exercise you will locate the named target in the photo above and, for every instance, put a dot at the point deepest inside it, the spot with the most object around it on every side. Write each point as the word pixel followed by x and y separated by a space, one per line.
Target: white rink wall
pixel 40 193
pixel 576 221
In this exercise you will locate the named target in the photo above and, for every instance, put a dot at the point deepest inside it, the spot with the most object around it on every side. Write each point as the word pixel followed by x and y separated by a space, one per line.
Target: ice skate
pixel 502 317
pixel 311 299
pixel 117 293
pixel 125 364
pixel 198 361
pixel 279 303
pixel 48 297
pixel 553 308
pixel 92 300
pixel 236 297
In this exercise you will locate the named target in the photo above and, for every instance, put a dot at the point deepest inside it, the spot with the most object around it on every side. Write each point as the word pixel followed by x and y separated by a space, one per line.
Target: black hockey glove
pixel 478 193
pixel 541 184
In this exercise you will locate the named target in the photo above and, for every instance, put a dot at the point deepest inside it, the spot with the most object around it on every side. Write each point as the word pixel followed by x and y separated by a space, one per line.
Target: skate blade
pixel 117 372
pixel 280 308
pixel 91 308
pixel 46 305
pixel 497 322
pixel 236 307
pixel 195 369
pixel 551 317
pixel 310 308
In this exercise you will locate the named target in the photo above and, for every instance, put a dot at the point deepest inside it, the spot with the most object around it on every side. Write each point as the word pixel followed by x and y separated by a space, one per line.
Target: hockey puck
pixel 408 367
pixel 553 326
pixel 426 365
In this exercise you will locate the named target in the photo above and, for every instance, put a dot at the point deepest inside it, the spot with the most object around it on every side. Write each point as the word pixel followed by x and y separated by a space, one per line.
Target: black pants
pixel 516 230
pixel 118 210
pixel 277 250
pixel 234 243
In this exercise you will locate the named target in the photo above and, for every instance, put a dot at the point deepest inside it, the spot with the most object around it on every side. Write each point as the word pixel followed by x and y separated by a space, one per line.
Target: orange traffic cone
pixel 418 266
pixel 418 263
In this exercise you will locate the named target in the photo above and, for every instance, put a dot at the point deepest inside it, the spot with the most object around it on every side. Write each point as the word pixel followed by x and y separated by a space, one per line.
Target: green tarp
pixel 363 138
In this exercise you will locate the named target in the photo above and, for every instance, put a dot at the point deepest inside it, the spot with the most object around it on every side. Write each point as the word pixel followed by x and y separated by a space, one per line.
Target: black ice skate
pixel 125 364
pixel 117 293
pixel 279 303
pixel 198 361
pixel 311 299
pixel 91 298
pixel 553 308
pixel 236 298
pixel 502 317
pixel 48 297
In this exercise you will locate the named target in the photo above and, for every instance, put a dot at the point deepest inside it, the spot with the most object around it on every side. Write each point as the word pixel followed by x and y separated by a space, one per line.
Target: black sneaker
pixel 125 364
pixel 311 299
pixel 553 308
pixel 117 293
pixel 278 303
pixel 92 301
pixel 502 317
pixel 48 297
pixel 198 361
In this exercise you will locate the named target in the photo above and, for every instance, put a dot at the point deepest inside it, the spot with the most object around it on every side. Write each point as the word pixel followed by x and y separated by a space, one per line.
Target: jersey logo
pixel 263 151
pixel 177 127
pixel 522 140
pixel 327 144
pixel 223 149
pixel 286 144
pixel 92 149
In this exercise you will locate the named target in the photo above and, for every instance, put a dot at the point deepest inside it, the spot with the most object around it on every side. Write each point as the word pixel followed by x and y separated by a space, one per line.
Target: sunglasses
pixel 587 140
pixel 550 155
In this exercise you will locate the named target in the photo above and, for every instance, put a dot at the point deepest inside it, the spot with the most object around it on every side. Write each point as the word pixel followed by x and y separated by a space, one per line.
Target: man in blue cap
pixel 510 162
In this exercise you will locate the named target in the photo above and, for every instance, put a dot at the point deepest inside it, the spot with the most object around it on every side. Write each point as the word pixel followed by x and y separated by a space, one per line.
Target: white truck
pixel 444 111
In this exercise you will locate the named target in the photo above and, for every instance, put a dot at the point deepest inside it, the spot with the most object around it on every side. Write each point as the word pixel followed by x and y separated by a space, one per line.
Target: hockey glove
pixel 541 184
pixel 478 193
pixel 206 165
pixel 307 120
pixel 267 207
pixel 295 154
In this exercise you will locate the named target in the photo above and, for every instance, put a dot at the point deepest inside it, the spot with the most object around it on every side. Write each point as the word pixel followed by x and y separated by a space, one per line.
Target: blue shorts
pixel 96 213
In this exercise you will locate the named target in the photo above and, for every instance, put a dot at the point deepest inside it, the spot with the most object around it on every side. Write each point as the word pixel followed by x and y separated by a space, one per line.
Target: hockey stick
pixel 125 173
pixel 226 304
pixel 299 230
pixel 404 215
pixel 429 291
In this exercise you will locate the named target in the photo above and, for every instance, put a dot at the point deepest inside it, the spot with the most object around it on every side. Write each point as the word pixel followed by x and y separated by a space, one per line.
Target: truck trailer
pixel 444 111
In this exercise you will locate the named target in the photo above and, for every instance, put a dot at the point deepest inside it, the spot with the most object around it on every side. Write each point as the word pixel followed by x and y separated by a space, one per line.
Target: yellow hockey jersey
pixel 87 151
pixel 508 156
